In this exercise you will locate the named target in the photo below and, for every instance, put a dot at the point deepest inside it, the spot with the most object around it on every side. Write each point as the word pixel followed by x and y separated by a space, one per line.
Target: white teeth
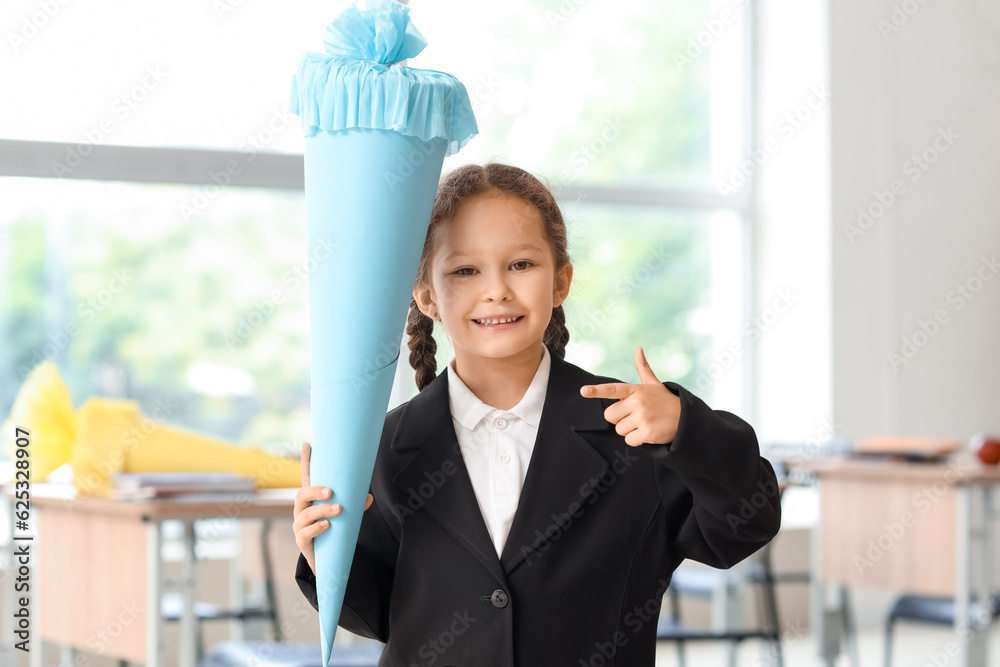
pixel 500 321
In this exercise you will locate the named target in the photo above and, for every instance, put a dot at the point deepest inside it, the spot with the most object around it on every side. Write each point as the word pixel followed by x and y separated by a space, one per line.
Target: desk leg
pixel 849 631
pixel 726 612
pixel 984 593
pixel 38 650
pixel 188 652
pixel 969 634
pixel 154 594
pixel 825 622
pixel 237 600
pixel 7 572
pixel 989 556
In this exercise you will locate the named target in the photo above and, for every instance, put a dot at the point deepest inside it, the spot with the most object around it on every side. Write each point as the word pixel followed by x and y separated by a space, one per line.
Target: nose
pixel 497 287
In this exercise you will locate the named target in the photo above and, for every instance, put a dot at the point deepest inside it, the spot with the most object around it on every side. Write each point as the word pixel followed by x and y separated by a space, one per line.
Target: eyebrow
pixel 523 246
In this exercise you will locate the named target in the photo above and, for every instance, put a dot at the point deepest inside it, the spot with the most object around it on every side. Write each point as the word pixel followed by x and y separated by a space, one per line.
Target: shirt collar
pixel 469 410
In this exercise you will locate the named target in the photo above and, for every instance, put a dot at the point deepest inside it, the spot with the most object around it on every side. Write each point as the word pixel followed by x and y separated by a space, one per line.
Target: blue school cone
pixel 376 137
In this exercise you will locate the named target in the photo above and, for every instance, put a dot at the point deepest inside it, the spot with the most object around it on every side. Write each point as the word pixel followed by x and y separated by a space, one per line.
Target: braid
pixel 420 332
pixel 556 334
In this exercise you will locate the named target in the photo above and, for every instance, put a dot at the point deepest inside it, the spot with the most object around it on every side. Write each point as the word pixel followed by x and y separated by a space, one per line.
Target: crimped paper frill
pixel 355 84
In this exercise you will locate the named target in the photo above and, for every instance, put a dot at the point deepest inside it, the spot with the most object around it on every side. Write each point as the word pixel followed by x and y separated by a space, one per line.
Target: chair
pixel 172 604
pixel 280 654
pixel 928 609
pixel 701 583
pixel 265 609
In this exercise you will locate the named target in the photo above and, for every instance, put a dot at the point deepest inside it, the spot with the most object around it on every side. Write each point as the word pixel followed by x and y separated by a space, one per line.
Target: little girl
pixel 523 511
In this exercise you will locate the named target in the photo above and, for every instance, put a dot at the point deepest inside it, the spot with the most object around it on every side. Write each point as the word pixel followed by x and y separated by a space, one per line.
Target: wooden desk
pixel 98 568
pixel 907 527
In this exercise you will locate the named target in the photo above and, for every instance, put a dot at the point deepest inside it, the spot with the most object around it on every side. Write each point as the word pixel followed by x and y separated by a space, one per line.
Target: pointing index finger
pixel 306 455
pixel 607 390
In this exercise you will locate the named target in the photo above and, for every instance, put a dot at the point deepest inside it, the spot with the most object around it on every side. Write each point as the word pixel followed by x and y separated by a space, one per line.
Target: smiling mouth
pixel 502 323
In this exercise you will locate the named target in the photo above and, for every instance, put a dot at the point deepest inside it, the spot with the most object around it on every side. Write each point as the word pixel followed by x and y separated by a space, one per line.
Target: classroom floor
pixel 913 646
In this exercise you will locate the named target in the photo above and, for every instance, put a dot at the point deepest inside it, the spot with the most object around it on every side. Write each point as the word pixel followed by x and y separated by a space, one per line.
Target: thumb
pixel 368 503
pixel 645 372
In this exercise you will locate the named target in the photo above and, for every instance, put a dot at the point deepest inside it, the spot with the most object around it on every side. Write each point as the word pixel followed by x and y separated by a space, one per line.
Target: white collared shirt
pixel 496 445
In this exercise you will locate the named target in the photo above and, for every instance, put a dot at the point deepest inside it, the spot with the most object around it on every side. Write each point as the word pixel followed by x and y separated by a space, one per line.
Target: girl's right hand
pixel 311 520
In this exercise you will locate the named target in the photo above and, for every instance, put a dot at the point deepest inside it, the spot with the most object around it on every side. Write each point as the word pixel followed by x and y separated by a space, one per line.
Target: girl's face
pixel 495 262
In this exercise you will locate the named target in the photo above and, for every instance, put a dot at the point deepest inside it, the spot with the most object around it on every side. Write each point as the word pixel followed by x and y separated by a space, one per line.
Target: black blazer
pixel 599 528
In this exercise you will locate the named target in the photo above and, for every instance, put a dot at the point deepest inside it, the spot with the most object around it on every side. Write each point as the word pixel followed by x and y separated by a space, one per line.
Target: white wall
pixel 824 367
pixel 894 92
pixel 861 287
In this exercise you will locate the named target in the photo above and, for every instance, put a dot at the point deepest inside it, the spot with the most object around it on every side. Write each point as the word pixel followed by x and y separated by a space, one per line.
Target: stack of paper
pixel 139 486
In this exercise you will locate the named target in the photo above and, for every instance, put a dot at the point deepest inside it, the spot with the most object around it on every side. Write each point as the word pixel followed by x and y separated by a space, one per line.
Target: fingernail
pixel 326 523
pixel 325 492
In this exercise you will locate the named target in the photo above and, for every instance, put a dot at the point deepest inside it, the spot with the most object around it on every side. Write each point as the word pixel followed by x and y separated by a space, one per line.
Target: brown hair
pixel 456 188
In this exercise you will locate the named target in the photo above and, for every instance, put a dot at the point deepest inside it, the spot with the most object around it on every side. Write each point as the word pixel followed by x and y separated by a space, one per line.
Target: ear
pixel 563 280
pixel 425 300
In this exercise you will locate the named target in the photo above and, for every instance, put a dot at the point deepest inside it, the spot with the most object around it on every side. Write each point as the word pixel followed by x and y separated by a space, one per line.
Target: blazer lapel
pixel 564 467
pixel 562 470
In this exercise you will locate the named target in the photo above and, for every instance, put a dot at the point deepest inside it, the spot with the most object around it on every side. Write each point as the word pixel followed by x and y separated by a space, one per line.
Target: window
pixel 208 318
pixel 634 113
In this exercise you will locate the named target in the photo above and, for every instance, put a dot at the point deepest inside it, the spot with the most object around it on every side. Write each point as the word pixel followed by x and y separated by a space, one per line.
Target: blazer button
pixel 499 599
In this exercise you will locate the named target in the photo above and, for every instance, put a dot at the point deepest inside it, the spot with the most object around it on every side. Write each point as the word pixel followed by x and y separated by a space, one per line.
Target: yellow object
pixel 108 436
pixel 44 409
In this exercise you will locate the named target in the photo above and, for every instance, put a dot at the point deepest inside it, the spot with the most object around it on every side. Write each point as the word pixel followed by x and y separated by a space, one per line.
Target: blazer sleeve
pixel 365 611
pixel 729 492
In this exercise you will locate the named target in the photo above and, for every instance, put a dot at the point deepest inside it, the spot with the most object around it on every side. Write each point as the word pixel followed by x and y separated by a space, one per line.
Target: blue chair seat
pixel 281 654
pixel 929 609
pixel 698 582
pixel 669 629
pixel 172 607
